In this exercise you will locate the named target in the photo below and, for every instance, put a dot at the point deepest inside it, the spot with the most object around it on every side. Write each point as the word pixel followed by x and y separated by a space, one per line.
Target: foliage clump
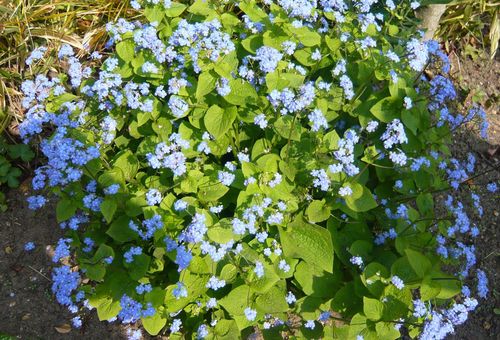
pixel 265 164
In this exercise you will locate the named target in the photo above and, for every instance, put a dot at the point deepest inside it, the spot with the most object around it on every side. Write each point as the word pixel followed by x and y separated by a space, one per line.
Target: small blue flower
pixel 29 246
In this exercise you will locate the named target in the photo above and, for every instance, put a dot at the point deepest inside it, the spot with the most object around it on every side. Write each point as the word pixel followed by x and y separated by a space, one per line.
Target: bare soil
pixel 28 308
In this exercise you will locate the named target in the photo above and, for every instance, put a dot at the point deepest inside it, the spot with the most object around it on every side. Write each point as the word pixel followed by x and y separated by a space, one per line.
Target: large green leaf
pixel 218 120
pixel 235 303
pixel 242 93
pixel 318 211
pixel 306 35
pixel 387 109
pixel 206 84
pixel 361 198
pixel 309 242
pixel 65 209
pixel 419 262
pixel 128 163
pixel 315 281
pixel 288 128
pixel 373 308
pixel 273 301
pixel 154 324
pixel 126 50
pixel 108 208
pixel 175 9
pixel 120 230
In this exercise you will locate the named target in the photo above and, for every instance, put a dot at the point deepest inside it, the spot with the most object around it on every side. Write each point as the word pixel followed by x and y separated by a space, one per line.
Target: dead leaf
pixel 8 250
pixel 63 329
pixel 26 316
pixel 49 250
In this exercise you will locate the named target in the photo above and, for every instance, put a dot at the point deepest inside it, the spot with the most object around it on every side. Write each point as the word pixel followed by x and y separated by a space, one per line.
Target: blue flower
pixel 36 202
pixel 64 282
pixel 129 254
pixel 268 58
pixel 29 246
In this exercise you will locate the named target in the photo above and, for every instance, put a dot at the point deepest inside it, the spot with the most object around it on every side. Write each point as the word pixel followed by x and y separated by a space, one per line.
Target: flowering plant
pixel 259 163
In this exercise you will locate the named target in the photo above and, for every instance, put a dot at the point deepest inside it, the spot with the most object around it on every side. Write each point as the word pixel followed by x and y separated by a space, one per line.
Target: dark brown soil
pixel 481 78
pixel 483 323
pixel 28 309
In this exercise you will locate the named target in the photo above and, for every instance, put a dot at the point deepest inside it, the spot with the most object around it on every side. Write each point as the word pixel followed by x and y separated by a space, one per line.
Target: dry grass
pixel 27 24
pixel 473 23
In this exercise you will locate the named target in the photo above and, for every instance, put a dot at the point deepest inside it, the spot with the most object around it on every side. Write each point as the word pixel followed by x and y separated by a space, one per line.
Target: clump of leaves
pixel 10 154
pixel 268 166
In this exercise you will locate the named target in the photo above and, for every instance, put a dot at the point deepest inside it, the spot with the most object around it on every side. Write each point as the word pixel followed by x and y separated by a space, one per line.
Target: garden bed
pixel 30 311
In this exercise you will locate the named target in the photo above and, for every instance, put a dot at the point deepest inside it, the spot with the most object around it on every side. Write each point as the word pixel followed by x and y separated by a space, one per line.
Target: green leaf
pixel 266 282
pixel 126 50
pixel 106 307
pixel 218 121
pixel 419 262
pixel 235 303
pixel 402 268
pixel 373 309
pixel 318 211
pixel 410 120
pixel 138 267
pixel 333 44
pixel 154 13
pixel 103 252
pixel 108 208
pixel 210 189
pixel 386 109
pixel 386 330
pixel 65 209
pixel 252 43
pixel 306 36
pixel 331 140
pixel 396 302
pixel 450 285
pixel 287 128
pixel 429 289
pixel 425 204
pixel 434 2
pixel 273 301
pixel 203 8
pixel 254 12
pixel 227 65
pixel 206 84
pixel 120 230
pixel 21 151
pixel 315 281
pixel 242 93
pixel 128 163
pixel 309 242
pixel 154 324
pixel 175 9
pixel 361 198
pixel 226 329
pixel 110 177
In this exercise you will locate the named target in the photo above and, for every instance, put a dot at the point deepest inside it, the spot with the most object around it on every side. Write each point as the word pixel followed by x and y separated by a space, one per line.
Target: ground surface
pixel 29 311
pixel 28 307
